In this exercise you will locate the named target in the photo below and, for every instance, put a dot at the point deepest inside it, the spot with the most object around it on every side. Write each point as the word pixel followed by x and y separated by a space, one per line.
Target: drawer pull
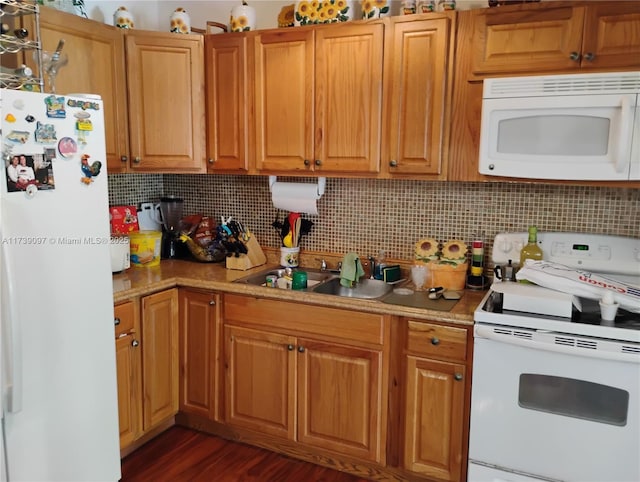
pixel 301 349
pixel 574 56
pixel 435 341
pixel 212 303
pixel 116 321
pixel 135 343
pixel 290 347
pixel 589 57
pixel 457 377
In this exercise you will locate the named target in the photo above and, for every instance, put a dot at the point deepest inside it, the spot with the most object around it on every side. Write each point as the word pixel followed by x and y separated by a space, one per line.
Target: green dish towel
pixel 351 270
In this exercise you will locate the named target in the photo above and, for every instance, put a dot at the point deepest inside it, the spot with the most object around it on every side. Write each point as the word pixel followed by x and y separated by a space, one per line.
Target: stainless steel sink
pixel 365 288
pixel 314 277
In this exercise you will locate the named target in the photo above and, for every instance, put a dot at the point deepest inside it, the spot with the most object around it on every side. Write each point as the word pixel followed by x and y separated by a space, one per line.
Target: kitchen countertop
pixel 215 277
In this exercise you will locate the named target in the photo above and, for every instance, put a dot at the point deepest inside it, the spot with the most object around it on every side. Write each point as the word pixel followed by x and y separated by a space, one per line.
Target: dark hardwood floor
pixel 181 454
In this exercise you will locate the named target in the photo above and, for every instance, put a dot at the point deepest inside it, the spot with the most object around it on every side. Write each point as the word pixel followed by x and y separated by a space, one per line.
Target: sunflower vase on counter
pixel 311 12
pixel 448 266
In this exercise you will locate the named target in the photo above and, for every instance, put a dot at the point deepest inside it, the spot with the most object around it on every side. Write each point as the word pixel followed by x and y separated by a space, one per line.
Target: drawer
pixel 429 339
pixel 298 319
pixel 124 315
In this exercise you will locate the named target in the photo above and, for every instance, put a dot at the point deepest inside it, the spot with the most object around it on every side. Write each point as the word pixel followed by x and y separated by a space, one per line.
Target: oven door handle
pixel 559 343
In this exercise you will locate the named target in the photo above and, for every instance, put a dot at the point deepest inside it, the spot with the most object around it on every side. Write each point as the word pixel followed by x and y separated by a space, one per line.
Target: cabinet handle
pixel 124 158
pixel 435 341
pixel 318 162
pixel 135 343
pixel 575 56
pixel 116 321
pixel 301 349
pixel 211 161
pixel 589 56
pixel 137 160
pixel 393 163
pixel 290 347
pixel 457 377
pixel 307 162
pixel 212 303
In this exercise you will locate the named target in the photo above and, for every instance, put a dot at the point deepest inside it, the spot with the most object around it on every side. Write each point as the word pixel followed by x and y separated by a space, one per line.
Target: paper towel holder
pixel 322 183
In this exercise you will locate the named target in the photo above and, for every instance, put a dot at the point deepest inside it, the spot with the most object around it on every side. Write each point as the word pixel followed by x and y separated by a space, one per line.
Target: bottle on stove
pixel 531 250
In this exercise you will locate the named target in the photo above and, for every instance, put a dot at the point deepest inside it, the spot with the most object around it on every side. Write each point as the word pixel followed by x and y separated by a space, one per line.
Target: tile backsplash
pixel 367 216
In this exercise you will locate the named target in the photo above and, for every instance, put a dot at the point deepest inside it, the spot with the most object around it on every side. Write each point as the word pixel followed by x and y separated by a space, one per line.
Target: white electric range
pixel 557 398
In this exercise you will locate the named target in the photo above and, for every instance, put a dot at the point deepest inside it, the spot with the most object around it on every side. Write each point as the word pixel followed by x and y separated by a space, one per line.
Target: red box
pixel 124 219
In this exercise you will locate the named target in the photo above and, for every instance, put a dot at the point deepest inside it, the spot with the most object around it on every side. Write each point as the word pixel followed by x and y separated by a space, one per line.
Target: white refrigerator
pixel 57 350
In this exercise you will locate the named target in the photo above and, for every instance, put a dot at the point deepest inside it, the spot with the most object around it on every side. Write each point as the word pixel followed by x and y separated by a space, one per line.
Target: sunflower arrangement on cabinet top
pixel 374 8
pixel 317 11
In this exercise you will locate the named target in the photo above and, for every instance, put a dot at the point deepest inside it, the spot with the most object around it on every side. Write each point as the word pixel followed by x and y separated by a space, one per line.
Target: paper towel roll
pixel 296 197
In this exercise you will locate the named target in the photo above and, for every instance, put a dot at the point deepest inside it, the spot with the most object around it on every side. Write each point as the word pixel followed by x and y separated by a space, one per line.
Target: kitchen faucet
pixel 372 267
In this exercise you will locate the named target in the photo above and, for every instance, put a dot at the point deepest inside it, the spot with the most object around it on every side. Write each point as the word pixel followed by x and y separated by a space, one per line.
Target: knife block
pixel 254 257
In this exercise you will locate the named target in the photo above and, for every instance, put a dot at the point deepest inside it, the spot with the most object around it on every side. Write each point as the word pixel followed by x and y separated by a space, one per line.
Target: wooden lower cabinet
pixel 128 365
pixel 306 387
pixel 199 353
pixel 146 363
pixel 436 399
pixel 339 402
pixel 159 357
pixel 260 382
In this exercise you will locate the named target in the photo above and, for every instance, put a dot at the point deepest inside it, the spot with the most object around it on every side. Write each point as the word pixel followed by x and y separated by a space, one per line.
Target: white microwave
pixel 563 127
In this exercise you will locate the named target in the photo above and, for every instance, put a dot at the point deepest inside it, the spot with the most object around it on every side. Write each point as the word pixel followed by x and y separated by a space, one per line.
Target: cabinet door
pixel 348 98
pixel 129 388
pixel 128 371
pixel 284 90
pixel 528 39
pixel 160 356
pixel 199 380
pixel 96 66
pixel 260 381
pixel 434 418
pixel 165 77
pixel 612 35
pixel 419 83
pixel 227 102
pixel 339 398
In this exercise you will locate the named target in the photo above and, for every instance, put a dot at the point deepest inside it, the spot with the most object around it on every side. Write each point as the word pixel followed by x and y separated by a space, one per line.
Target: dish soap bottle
pixel 380 265
pixel 531 250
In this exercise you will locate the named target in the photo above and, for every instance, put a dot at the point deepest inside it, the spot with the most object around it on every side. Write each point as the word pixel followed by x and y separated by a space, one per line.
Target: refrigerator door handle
pixel 11 339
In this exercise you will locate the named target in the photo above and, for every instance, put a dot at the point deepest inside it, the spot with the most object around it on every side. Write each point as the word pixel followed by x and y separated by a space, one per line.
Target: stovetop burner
pixel 590 314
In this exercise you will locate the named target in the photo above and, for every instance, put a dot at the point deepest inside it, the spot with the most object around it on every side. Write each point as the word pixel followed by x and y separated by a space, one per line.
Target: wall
pixel 154 14
pixel 368 215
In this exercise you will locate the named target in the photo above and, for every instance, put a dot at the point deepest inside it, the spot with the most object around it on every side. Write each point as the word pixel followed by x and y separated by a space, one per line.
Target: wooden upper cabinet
pixel 612 35
pixel 165 77
pixel 420 81
pixel 227 102
pixel 348 98
pixel 318 99
pixel 564 36
pixel 96 66
pixel 284 91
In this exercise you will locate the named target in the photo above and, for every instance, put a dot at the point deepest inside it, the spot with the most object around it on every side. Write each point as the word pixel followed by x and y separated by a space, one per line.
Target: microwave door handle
pixel 623 139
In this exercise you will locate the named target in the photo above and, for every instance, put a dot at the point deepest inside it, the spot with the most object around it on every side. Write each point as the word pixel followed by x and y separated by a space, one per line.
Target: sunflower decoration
pixel 286 15
pixel 374 8
pixel 180 22
pixel 315 11
pixel 453 252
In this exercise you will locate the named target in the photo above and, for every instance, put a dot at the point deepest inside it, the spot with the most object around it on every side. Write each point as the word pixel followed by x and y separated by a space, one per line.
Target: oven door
pixel 555 409
pixel 579 137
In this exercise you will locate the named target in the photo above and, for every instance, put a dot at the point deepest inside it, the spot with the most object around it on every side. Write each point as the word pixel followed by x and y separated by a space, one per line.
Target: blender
pixel 171 212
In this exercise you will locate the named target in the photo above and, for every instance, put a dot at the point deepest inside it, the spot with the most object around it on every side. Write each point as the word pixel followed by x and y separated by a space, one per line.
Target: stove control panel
pixel 590 252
